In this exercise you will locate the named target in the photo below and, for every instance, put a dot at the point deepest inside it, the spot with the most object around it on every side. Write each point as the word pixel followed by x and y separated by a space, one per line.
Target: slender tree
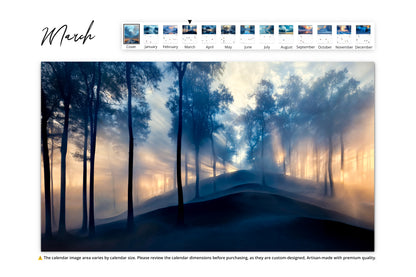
pixel 325 99
pixel 258 121
pixel 202 106
pixel 45 115
pixel 63 82
pixel 93 108
pixel 142 74
pixel 229 148
pixel 219 100
pixel 172 104
pixel 88 73
pixel 180 68
pixel 53 138
pixel 288 116
pixel 130 219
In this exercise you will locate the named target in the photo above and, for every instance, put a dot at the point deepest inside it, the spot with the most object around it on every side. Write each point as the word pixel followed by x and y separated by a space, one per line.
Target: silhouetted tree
pixel 343 115
pixel 96 82
pixel 325 98
pixel 191 94
pixel 52 116
pixel 258 121
pixel 94 106
pixel 87 74
pixel 172 105
pixel 180 69
pixel 101 81
pixel 352 101
pixel 229 148
pixel 196 85
pixel 288 115
pixel 138 74
pixel 130 218
pixel 62 76
pixel 45 115
pixel 54 136
pixel 218 103
pixel 201 105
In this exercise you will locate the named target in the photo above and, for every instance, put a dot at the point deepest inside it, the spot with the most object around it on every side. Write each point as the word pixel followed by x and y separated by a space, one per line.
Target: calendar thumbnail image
pixel 131 33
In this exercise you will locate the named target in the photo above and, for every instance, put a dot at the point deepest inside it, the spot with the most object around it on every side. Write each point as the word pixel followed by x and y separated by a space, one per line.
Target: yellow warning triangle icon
pixel 40 258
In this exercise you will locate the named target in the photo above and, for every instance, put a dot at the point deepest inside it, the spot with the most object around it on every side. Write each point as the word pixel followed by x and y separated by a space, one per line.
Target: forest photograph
pixel 207 156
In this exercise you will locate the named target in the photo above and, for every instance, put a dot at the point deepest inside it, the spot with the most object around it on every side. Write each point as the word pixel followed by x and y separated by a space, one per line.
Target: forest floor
pixel 242 216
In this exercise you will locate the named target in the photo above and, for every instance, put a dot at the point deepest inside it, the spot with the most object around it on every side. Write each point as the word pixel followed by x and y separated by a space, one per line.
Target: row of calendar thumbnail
pixel 133 30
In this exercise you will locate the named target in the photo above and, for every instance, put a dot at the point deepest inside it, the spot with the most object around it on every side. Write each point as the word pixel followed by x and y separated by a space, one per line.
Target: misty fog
pixel 312 122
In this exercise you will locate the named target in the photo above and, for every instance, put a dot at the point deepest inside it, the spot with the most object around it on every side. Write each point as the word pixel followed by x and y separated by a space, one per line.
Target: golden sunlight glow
pixel 154 168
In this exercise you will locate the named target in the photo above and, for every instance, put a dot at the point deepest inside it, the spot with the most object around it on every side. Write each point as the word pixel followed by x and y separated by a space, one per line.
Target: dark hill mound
pixel 251 218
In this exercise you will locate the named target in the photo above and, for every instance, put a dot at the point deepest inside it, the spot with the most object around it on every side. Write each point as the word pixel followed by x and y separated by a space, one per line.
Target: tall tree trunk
pixel 181 68
pixel 342 157
pixel 284 165
pixel 317 163
pixel 225 157
pixel 84 177
pixel 51 167
pixel 290 159
pixel 174 176
pixel 197 171
pixel 326 180
pixel 362 165
pixel 93 111
pixel 331 181
pixel 66 95
pixel 64 149
pixel 186 168
pixel 214 163
pixel 91 223
pixel 46 169
pixel 85 155
pixel 263 181
pixel 113 181
pixel 130 216
pixel 284 158
pixel 302 165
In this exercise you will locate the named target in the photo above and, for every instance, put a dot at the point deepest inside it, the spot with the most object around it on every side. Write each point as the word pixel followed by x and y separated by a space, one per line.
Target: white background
pixel 21 53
